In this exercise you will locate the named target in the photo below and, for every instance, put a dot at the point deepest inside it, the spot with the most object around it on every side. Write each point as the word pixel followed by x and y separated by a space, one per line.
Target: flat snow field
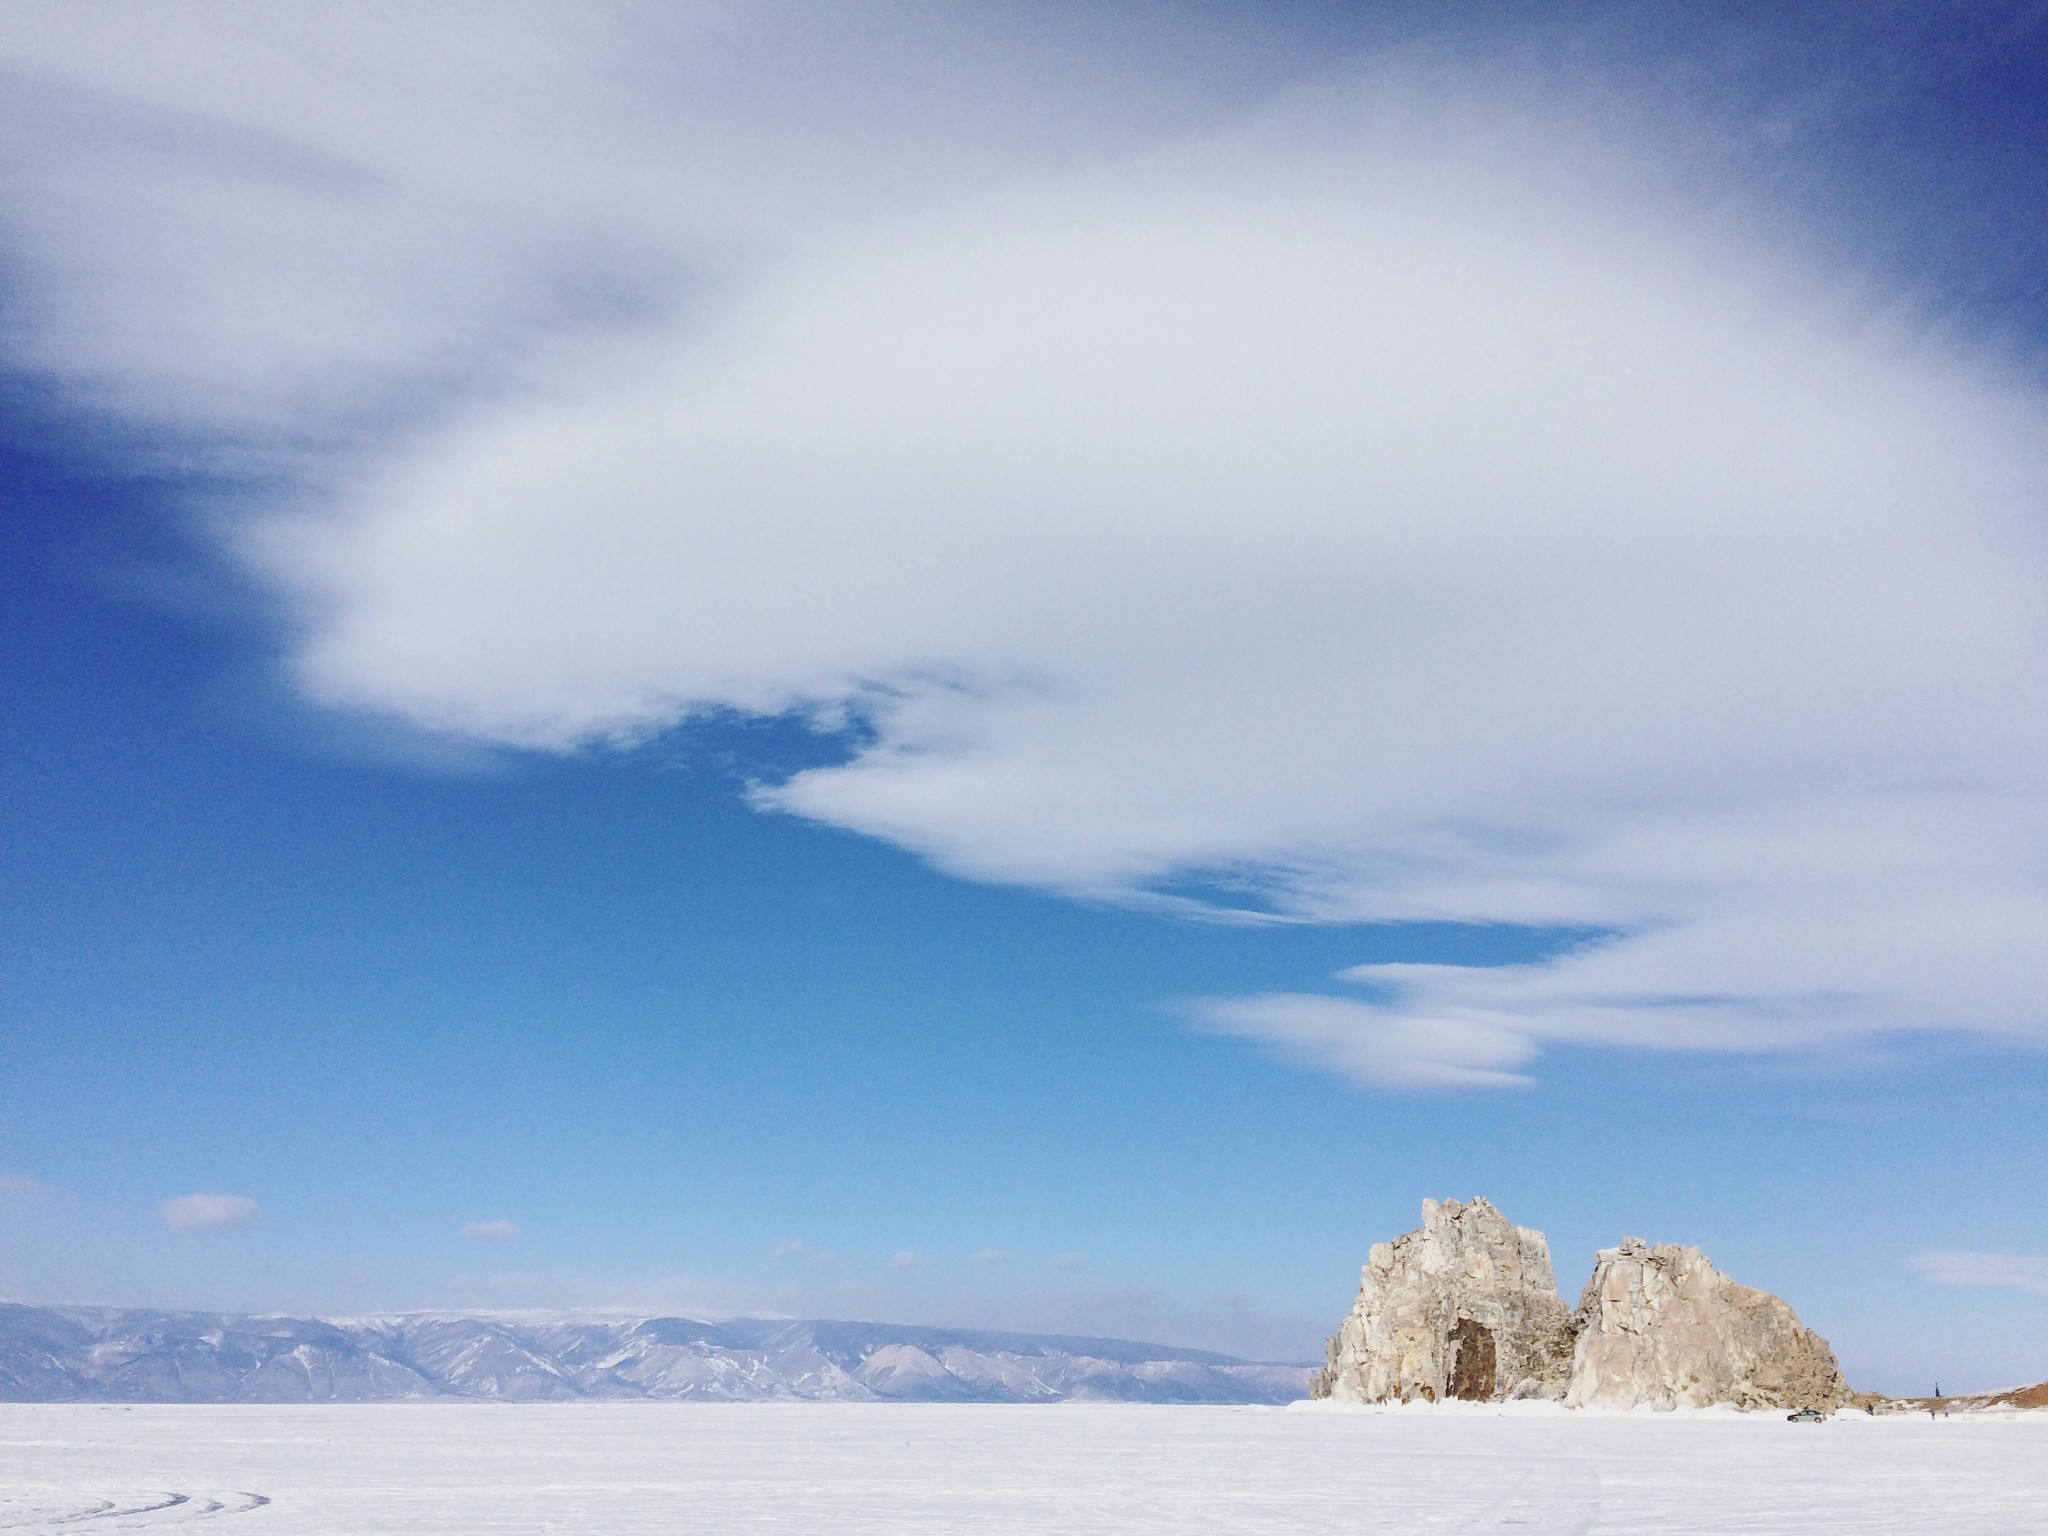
pixel 670 1467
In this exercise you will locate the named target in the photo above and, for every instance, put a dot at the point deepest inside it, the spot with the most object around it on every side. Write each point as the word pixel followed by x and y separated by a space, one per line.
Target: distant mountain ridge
pixel 110 1354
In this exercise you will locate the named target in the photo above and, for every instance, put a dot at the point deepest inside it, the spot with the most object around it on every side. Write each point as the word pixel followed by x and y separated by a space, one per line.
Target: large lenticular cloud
pixel 1387 503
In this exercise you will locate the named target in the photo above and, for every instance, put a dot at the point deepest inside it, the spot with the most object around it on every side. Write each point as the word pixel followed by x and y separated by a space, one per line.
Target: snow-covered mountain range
pixel 70 1354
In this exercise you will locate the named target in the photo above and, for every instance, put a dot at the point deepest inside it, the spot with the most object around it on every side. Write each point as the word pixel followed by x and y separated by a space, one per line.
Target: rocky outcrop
pixel 1466 1307
pixel 2013 1399
pixel 1661 1326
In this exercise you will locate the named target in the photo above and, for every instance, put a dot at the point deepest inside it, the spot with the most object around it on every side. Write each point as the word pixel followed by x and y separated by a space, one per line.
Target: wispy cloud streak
pixel 2004 1271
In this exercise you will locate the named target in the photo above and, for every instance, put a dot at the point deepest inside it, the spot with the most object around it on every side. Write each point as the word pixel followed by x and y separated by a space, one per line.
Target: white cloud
pixel 210 1213
pixel 817 1258
pixel 1069 1262
pixel 499 1231
pixel 906 1260
pixel 991 1256
pixel 2007 1271
pixel 1391 505
pixel 1373 1046
pixel 288 227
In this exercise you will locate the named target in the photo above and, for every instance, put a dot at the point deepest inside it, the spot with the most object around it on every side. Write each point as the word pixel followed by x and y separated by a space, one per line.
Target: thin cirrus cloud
pixel 1395 502
pixel 817 1258
pixel 210 1213
pixel 2005 1271
pixel 1375 1045
pixel 498 1231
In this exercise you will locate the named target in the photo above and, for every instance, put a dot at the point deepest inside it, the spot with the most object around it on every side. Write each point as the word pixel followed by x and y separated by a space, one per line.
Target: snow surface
pixel 627 1467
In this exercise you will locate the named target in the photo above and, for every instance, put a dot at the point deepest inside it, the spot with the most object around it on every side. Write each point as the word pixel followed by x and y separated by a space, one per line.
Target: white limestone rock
pixel 1467 1307
pixel 1662 1327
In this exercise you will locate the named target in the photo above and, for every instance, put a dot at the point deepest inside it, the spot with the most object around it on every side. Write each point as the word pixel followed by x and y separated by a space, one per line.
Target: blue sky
pixel 996 667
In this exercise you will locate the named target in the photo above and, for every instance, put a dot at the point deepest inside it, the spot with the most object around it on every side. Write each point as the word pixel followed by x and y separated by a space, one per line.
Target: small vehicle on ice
pixel 1807 1416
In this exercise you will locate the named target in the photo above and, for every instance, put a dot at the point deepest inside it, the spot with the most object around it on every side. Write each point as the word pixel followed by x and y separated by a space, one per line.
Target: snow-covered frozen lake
pixel 1069 1468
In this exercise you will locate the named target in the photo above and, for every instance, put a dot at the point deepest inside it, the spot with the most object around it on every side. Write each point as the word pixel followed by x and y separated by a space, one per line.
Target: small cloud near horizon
pixel 2006 1271
pixel 817 1258
pixel 498 1231
pixel 1069 1261
pixel 906 1260
pixel 210 1213
pixel 991 1256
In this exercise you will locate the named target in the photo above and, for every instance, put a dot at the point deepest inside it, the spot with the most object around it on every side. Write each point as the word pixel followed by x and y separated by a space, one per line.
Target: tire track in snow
pixel 1554 1496
pixel 133 1512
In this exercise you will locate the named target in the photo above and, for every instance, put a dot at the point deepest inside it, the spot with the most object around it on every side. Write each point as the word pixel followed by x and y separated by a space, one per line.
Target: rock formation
pixel 1467 1307
pixel 1661 1326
